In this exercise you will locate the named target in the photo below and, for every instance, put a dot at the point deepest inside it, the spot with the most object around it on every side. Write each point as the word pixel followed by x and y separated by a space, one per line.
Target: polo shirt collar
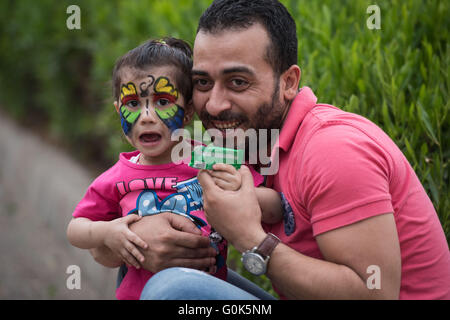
pixel 302 104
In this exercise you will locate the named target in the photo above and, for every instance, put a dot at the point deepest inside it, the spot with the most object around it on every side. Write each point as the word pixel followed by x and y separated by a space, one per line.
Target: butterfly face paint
pixel 169 112
pixel 164 100
pixel 129 100
pixel 145 85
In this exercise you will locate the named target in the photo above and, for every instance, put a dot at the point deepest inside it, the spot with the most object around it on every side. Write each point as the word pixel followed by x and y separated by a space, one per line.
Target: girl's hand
pixel 226 176
pixel 122 241
pixel 236 215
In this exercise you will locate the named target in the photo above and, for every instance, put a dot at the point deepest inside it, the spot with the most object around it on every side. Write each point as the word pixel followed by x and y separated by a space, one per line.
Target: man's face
pixel 234 86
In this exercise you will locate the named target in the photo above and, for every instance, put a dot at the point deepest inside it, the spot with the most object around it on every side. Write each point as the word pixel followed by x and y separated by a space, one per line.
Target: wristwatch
pixel 255 260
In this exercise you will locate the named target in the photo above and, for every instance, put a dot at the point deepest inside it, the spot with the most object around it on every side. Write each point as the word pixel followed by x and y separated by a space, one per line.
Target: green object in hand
pixel 204 157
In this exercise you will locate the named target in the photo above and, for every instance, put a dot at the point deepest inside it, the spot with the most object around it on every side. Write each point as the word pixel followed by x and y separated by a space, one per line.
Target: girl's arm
pixel 114 235
pixel 270 203
pixel 86 234
pixel 104 256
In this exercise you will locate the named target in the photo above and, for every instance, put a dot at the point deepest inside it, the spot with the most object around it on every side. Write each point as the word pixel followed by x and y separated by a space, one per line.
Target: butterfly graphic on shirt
pixel 187 200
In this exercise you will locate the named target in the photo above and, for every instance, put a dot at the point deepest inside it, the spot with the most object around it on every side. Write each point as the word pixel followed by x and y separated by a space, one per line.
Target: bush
pixel 57 80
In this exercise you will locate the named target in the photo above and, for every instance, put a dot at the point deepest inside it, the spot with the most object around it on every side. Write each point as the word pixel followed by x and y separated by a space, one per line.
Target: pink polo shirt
pixel 337 168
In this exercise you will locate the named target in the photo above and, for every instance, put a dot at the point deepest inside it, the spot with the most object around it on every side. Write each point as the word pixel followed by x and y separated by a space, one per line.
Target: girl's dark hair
pixel 271 14
pixel 167 51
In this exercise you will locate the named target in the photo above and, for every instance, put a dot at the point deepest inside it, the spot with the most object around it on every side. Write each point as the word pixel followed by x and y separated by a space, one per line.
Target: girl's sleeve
pixel 99 203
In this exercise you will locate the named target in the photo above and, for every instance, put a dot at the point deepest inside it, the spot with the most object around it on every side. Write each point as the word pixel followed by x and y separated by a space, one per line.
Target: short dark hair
pixel 271 14
pixel 167 51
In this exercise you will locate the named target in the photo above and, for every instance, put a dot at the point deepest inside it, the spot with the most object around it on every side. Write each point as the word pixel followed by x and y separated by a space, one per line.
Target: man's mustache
pixel 225 115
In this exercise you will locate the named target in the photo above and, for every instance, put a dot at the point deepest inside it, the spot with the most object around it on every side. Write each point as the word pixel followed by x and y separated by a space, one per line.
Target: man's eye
pixel 202 84
pixel 238 83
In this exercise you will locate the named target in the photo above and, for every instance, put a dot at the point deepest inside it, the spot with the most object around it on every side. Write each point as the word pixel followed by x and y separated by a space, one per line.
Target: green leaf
pixel 425 119
pixel 434 190
pixel 410 151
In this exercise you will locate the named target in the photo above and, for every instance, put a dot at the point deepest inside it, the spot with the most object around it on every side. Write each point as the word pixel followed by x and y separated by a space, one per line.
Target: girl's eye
pixel 163 99
pixel 132 104
pixel 163 102
pixel 131 101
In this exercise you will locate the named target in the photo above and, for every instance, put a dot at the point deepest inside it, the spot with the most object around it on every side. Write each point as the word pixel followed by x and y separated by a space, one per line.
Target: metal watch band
pixel 266 247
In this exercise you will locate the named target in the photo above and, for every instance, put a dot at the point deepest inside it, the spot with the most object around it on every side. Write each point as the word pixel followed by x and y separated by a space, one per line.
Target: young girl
pixel 152 91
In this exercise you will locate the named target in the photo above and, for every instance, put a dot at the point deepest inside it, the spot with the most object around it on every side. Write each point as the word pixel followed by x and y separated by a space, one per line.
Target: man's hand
pixel 234 214
pixel 173 241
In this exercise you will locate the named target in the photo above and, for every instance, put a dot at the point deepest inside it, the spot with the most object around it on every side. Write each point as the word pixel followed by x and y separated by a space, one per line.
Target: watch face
pixel 254 263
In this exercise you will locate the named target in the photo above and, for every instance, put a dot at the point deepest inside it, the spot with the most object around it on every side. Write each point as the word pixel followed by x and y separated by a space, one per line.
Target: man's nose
pixel 218 101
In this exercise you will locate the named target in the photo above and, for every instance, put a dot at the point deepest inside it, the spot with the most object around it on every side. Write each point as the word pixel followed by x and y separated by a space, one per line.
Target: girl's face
pixel 151 108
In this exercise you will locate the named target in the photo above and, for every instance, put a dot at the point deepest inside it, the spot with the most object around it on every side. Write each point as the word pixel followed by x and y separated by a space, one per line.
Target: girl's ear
pixel 116 105
pixel 188 112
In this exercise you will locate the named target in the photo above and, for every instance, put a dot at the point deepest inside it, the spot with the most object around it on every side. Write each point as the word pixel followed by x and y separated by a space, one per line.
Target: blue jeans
pixel 189 284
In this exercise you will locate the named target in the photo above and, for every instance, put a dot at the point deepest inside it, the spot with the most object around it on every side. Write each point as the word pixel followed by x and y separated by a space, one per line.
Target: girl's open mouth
pixel 149 138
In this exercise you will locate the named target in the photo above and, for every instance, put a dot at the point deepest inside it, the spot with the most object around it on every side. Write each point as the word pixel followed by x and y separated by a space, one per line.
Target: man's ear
pixel 188 112
pixel 116 105
pixel 290 80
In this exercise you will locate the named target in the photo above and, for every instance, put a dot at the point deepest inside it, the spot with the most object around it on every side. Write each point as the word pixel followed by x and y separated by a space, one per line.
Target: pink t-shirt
pixel 130 188
pixel 337 168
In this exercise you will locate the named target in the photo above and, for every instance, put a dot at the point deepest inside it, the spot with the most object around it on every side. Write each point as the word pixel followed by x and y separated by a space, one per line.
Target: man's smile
pixel 223 125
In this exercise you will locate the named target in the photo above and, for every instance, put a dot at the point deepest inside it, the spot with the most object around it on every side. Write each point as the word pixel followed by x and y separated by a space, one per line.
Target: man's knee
pixel 173 284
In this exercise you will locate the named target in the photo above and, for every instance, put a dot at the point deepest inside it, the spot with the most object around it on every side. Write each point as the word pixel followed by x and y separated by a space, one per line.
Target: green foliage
pixel 396 76
pixel 58 80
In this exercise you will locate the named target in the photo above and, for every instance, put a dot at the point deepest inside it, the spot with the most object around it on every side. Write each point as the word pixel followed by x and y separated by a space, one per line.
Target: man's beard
pixel 269 115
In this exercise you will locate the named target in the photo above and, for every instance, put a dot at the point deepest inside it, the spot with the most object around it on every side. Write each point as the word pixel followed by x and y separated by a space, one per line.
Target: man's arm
pixel 348 251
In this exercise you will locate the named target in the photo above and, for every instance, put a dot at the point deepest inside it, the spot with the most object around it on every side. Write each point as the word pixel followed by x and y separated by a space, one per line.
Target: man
pixel 358 224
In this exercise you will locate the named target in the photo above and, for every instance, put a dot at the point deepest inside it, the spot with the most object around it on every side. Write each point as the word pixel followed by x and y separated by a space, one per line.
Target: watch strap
pixel 266 247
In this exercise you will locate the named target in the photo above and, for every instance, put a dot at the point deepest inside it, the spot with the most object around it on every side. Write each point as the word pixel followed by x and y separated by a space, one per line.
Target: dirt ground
pixel 39 188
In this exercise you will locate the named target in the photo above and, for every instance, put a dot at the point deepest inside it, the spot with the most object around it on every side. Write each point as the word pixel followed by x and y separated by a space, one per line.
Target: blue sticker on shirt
pixel 288 216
